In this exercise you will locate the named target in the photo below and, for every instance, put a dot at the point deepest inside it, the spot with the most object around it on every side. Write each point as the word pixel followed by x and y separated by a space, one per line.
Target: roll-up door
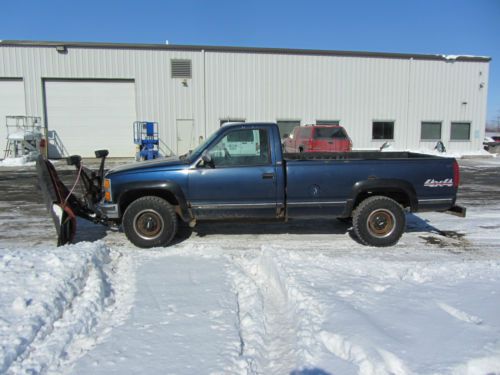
pixel 92 115
pixel 11 104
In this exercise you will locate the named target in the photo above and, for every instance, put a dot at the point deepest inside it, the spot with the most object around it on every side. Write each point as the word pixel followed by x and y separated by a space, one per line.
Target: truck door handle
pixel 266 176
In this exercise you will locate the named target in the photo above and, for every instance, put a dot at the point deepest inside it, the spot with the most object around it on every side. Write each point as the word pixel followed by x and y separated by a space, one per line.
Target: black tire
pixel 379 221
pixel 150 222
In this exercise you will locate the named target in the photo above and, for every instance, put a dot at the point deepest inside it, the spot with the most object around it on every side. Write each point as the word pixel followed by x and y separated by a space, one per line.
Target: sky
pixel 419 26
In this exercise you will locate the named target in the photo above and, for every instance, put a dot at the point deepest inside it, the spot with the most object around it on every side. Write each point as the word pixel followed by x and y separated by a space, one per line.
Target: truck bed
pixel 325 182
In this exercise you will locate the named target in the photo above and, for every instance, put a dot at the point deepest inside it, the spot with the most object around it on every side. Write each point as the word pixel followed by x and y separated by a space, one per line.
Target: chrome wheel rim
pixel 381 223
pixel 148 224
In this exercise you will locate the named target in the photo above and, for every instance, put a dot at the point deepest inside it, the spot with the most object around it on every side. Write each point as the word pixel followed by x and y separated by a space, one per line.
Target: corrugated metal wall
pixel 270 87
pixel 354 90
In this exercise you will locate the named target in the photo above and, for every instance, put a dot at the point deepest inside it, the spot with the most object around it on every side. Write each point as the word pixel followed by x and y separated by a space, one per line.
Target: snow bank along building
pixel 89 94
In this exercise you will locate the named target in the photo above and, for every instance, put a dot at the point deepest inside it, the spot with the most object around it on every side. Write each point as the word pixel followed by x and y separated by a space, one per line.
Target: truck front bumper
pixel 109 210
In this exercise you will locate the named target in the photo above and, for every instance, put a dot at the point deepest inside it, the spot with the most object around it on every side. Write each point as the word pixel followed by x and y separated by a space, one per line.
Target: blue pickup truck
pixel 240 172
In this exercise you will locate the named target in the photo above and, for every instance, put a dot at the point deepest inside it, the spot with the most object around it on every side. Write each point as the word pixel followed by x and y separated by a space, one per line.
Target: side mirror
pixel 205 156
pixel 101 153
pixel 207 159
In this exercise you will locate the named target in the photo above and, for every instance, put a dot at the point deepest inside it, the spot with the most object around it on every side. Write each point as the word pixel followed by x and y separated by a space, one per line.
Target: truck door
pixel 241 179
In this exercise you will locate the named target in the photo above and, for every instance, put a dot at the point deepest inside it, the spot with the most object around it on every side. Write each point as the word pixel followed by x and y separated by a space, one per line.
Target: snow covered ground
pixel 51 299
pixel 297 298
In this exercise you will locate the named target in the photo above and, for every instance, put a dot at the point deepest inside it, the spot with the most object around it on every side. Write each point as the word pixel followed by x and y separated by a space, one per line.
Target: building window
pixel 460 131
pixel 327 122
pixel 430 131
pixel 180 68
pixel 286 127
pixel 222 122
pixel 383 130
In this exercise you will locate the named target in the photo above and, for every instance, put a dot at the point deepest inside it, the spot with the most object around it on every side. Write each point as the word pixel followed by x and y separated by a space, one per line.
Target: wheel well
pixel 398 195
pixel 131 196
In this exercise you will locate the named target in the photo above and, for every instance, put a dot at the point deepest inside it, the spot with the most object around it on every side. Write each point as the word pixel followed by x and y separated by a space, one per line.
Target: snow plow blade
pixel 58 201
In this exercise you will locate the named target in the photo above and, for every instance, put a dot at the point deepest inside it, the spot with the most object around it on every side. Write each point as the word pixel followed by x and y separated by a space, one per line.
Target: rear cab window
pixel 330 133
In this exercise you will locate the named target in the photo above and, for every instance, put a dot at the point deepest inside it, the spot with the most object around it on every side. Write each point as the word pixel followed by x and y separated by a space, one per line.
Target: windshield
pixel 200 147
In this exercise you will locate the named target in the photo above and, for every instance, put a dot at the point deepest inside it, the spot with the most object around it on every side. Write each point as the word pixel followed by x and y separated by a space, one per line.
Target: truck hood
pixel 164 163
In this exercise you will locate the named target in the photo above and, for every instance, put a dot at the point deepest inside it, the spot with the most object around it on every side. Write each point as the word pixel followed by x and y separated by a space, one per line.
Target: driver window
pixel 242 147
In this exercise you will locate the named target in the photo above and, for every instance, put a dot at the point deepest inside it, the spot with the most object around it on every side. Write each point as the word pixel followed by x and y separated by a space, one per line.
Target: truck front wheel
pixel 379 221
pixel 149 222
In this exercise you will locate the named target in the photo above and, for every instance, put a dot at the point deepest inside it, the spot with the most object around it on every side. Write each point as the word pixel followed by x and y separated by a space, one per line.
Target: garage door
pixel 91 115
pixel 11 104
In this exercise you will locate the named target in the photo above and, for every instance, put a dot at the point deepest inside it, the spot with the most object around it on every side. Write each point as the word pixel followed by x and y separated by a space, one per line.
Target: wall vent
pixel 180 68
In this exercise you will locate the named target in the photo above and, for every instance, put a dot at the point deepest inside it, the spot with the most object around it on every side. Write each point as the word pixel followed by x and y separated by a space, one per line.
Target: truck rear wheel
pixel 379 221
pixel 149 222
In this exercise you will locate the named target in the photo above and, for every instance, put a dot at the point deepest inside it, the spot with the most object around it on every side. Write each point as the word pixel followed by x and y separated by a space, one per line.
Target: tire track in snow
pixel 459 314
pixel 352 348
pixel 369 360
pixel 88 310
pixel 345 342
pixel 278 324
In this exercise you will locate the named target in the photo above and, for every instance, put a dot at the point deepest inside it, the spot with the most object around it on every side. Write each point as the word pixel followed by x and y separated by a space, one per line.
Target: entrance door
pixel 186 139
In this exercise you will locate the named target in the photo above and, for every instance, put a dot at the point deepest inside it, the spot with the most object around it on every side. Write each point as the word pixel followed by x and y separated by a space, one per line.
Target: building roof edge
pixel 233 49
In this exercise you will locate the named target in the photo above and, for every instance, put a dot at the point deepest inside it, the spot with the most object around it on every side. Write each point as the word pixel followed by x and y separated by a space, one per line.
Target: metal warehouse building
pixel 89 94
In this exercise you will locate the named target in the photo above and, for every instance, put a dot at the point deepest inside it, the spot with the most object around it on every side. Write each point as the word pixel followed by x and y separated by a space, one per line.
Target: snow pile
pixel 49 297
pixel 446 154
pixel 455 57
pixel 23 161
pixel 430 151
pixel 26 135
pixel 455 154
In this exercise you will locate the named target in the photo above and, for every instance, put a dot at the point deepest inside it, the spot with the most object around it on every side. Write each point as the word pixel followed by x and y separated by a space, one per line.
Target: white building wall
pixel 309 88
pixel 448 92
pixel 354 90
pixel 269 87
pixel 158 97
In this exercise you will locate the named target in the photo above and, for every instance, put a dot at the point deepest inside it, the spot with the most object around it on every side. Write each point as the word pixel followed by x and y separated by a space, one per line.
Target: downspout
pixel 204 94
pixel 408 103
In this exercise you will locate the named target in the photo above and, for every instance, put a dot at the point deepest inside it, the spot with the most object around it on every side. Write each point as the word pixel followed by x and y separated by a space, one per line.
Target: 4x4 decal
pixel 443 183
